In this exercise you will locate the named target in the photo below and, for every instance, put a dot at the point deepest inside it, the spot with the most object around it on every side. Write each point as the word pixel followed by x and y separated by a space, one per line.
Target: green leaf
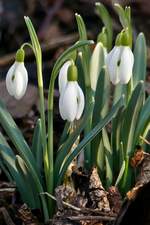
pixel 143 121
pixel 101 99
pixel 81 27
pixel 37 144
pixel 100 160
pixel 85 49
pixel 9 160
pixel 23 149
pixel 105 16
pixel 15 135
pixel 65 134
pixel 120 176
pixel 122 15
pixel 81 77
pixel 2 164
pixel 140 59
pixel 108 158
pixel 89 138
pixel 28 180
pixel 100 107
pixel 116 138
pixel 131 118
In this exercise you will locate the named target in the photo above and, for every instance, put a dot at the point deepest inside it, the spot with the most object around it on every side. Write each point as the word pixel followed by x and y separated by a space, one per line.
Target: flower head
pixel 120 60
pixel 17 77
pixel 71 101
pixel 120 64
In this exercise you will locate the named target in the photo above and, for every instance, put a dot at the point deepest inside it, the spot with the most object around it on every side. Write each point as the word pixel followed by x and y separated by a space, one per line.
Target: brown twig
pixel 83 210
pixel 50 14
pixel 102 218
pixel 146 141
pixel 83 218
pixel 9 190
pixel 53 44
pixel 64 203
pixel 6 216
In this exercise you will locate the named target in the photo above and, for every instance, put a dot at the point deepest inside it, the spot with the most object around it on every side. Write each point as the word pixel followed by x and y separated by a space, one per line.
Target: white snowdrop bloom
pixel 17 80
pixel 119 64
pixel 17 77
pixel 71 101
pixel 62 78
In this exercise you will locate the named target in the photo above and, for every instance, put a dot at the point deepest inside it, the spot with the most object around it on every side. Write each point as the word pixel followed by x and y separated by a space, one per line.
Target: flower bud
pixel 20 55
pixel 72 73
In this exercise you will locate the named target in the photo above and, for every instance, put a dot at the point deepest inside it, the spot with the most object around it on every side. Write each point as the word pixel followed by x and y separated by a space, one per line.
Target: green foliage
pixel 110 127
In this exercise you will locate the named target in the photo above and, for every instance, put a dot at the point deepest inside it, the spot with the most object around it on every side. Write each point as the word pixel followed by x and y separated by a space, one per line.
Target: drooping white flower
pixel 71 101
pixel 62 78
pixel 119 64
pixel 17 77
pixel 17 80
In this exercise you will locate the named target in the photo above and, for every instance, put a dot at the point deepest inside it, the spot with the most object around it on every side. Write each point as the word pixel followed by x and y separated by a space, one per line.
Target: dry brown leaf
pixel 19 108
pixel 97 193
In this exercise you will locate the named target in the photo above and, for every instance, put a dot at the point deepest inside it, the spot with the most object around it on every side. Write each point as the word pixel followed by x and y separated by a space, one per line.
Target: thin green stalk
pixel 38 55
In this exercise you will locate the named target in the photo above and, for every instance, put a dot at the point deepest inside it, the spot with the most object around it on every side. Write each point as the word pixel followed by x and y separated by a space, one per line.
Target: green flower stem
pixel 38 55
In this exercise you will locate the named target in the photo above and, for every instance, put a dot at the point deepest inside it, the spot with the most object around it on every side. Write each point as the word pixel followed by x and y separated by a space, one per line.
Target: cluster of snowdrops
pixel 85 79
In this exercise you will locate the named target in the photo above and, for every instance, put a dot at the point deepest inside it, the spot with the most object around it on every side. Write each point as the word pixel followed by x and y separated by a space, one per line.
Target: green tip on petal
pixel 20 54
pixel 123 38
pixel 72 73
pixel 102 37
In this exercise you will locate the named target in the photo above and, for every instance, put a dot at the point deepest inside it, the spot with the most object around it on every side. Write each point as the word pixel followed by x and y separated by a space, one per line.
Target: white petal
pixel 62 78
pixel 61 106
pixel 126 65
pixel 68 103
pixel 20 81
pixel 112 64
pixel 80 101
pixel 9 78
pixel 96 63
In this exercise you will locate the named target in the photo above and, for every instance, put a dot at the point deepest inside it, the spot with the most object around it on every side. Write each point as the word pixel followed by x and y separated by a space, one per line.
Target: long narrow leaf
pixel 37 144
pixel 9 160
pixel 140 59
pixel 143 121
pixel 28 180
pixel 16 137
pixel 108 158
pixel 105 16
pixel 100 107
pixel 131 117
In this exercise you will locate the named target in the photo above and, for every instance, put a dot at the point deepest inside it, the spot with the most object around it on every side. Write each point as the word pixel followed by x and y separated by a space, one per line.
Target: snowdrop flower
pixel 71 101
pixel 17 77
pixel 120 62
